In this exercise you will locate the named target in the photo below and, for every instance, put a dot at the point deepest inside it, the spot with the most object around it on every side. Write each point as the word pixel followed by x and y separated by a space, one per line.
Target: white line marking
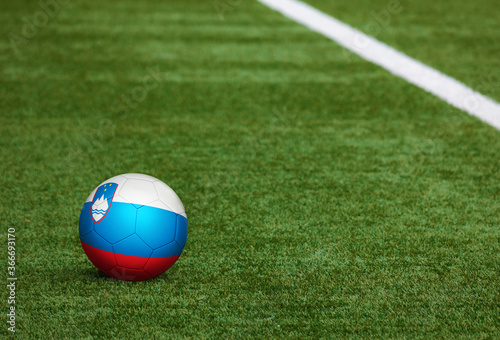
pixel 369 48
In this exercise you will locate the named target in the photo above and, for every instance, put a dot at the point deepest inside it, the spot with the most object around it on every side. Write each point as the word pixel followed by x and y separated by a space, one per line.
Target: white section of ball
pixel 144 190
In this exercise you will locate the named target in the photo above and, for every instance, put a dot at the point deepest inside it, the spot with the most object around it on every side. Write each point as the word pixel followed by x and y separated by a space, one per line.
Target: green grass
pixel 459 38
pixel 325 197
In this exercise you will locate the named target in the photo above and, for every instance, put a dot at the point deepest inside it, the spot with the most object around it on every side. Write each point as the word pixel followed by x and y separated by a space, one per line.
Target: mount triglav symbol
pixel 99 208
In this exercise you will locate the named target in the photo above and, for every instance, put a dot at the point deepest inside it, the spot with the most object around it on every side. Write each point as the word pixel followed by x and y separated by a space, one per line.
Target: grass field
pixel 326 198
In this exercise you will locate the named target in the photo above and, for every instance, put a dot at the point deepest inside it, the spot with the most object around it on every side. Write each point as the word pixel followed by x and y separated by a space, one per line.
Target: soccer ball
pixel 133 227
